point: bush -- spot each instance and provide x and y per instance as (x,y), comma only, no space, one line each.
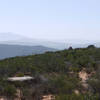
(64,84)
(10,90)
(77,97)
(20,75)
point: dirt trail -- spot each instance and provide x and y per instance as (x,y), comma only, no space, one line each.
(84,76)
(2,98)
(18,95)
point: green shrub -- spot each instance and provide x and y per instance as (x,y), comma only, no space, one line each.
(10,90)
(76,97)
(20,75)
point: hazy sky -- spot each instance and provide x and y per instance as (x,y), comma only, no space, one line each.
(51,19)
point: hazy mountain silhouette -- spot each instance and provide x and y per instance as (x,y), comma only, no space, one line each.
(10,38)
(15,39)
(7,51)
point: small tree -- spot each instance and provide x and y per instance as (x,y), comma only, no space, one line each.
(91,46)
(10,90)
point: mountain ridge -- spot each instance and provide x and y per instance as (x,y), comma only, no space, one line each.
(7,50)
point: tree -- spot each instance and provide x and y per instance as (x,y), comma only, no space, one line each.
(91,46)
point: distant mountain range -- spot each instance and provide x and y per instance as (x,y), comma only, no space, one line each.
(16,45)
(15,39)
(12,45)
(7,51)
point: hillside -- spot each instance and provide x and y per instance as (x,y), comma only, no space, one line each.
(72,74)
(7,51)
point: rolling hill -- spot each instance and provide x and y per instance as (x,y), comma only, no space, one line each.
(72,74)
(7,51)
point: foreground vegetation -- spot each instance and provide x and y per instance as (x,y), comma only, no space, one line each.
(56,73)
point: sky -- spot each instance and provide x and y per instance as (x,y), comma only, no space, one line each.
(51,19)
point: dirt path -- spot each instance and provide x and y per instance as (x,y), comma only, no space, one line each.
(84,76)
(2,98)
